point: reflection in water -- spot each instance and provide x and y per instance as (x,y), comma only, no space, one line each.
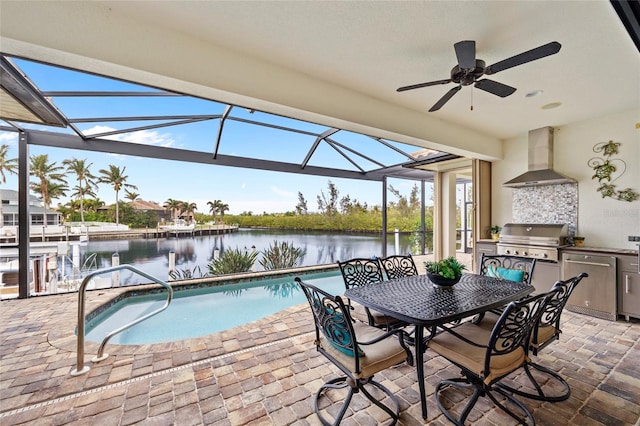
(283,290)
(152,255)
(236,292)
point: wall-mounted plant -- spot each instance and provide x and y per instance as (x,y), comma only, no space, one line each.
(610,169)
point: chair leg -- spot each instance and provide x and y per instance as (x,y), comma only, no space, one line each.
(338,383)
(521,420)
(540,394)
(393,413)
(459,382)
(481,390)
(356,387)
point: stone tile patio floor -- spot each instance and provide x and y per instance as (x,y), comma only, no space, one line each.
(267,372)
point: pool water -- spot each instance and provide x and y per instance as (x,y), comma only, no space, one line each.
(198,312)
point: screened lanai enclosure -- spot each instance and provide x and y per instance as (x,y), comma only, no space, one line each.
(52,107)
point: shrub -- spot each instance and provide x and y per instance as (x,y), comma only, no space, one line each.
(233,261)
(187,274)
(279,256)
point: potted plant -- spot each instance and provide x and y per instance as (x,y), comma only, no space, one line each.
(495,232)
(445,272)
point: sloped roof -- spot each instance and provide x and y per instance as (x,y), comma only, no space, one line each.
(146,205)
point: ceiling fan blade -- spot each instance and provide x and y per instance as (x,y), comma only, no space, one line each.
(466,54)
(443,100)
(418,86)
(528,56)
(495,88)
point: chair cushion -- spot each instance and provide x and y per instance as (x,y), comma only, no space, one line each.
(516,275)
(472,357)
(545,335)
(338,334)
(379,356)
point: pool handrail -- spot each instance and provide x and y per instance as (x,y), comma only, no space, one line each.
(80,367)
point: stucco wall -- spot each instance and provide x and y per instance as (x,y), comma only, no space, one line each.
(604,222)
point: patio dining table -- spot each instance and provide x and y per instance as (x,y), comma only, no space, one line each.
(417,301)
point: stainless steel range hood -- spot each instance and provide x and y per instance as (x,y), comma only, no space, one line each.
(540,170)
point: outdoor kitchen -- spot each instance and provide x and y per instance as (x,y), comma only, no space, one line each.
(556,214)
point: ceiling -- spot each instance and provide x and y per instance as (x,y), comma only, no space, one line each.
(340,63)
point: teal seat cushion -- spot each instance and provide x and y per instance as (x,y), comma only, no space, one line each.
(337,333)
(516,275)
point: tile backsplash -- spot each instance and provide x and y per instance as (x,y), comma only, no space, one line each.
(547,204)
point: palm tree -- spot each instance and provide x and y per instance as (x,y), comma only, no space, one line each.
(8,165)
(54,190)
(213,208)
(93,204)
(49,177)
(130,195)
(80,193)
(174,206)
(86,184)
(115,177)
(222,207)
(189,208)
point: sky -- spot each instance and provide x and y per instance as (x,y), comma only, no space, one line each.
(159,180)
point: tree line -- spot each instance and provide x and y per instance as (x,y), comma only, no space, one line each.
(334,213)
(50,183)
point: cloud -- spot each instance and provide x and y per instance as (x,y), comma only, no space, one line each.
(9,138)
(283,193)
(150,137)
(142,137)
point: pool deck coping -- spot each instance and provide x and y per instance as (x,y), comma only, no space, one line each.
(64,337)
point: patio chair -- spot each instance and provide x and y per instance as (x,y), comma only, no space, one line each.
(363,271)
(519,269)
(398,266)
(545,331)
(487,356)
(358,350)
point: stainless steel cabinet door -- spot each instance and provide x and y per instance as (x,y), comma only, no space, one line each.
(596,294)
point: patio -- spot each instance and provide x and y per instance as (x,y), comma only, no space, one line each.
(266,372)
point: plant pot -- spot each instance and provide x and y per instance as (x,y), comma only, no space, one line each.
(441,281)
(495,237)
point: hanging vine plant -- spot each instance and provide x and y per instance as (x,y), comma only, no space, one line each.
(609,170)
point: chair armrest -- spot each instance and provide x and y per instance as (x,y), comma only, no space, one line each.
(403,337)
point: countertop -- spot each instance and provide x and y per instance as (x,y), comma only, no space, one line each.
(606,250)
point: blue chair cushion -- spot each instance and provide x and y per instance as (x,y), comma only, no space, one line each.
(337,333)
(516,275)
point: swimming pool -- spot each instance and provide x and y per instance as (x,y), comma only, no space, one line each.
(198,312)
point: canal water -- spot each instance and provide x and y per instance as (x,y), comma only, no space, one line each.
(191,253)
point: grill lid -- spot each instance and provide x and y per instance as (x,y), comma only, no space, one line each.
(541,234)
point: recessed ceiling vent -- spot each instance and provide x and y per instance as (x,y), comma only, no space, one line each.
(540,170)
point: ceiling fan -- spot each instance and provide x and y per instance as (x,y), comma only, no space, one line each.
(470,69)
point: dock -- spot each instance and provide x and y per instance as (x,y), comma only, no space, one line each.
(158,232)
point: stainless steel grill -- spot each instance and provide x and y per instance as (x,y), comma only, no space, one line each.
(533,240)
